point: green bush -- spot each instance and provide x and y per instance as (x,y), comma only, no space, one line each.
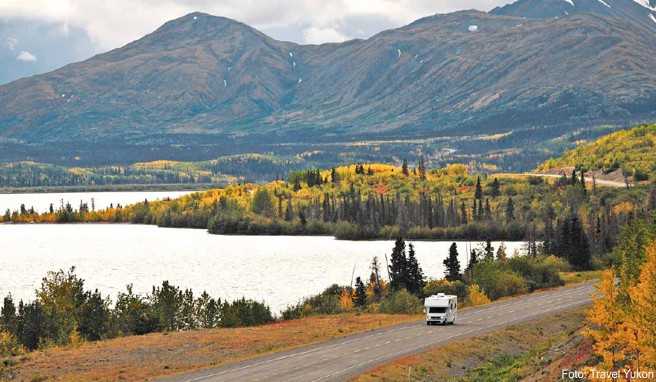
(457,288)
(539,272)
(496,281)
(401,302)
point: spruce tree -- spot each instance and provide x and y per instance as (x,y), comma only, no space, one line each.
(8,319)
(360,297)
(473,260)
(510,210)
(495,189)
(452,264)
(579,255)
(398,268)
(478,194)
(415,275)
(334,176)
(422,168)
(488,251)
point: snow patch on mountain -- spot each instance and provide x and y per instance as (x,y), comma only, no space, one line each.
(604,3)
(652,17)
(571,2)
(646,4)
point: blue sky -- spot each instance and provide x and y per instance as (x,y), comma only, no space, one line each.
(40,35)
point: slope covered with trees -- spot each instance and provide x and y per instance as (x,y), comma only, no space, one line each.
(632,151)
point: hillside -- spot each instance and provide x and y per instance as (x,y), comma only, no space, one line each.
(631,151)
(201,87)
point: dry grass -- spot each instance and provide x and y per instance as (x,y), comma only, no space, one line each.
(519,350)
(155,355)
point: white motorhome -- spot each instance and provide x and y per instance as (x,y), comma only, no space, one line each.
(441,309)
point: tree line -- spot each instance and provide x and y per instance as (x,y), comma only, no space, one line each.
(65,312)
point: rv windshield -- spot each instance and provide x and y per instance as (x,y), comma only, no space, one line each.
(437,310)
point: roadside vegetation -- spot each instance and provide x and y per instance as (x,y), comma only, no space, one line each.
(490,274)
(65,313)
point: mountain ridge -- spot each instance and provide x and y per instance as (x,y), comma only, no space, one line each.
(211,81)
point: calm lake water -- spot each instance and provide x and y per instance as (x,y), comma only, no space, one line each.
(277,270)
(41,201)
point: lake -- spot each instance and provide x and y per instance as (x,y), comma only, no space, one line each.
(274,269)
(41,201)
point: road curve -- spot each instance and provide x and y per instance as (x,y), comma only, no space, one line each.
(342,358)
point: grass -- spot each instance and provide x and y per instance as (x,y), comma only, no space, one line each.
(155,355)
(510,354)
(579,277)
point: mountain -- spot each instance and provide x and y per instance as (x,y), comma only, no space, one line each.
(202,86)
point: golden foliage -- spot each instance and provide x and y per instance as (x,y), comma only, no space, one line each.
(9,345)
(642,319)
(477,296)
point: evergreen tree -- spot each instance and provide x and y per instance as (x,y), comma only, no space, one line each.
(94,317)
(473,260)
(398,268)
(580,255)
(360,297)
(8,318)
(334,176)
(478,194)
(422,168)
(404,168)
(510,210)
(488,210)
(415,275)
(452,264)
(488,251)
(32,325)
(289,212)
(495,188)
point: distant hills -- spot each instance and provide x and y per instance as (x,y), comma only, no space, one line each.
(509,86)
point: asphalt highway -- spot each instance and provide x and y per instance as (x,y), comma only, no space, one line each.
(345,357)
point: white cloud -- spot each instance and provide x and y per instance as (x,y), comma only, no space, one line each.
(26,56)
(11,43)
(314,35)
(114,23)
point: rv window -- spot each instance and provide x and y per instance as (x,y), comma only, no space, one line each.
(436,310)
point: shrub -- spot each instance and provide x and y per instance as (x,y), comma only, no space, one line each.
(496,281)
(401,302)
(330,301)
(476,296)
(9,345)
(457,288)
(539,272)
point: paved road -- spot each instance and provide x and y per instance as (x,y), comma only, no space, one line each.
(342,358)
(600,182)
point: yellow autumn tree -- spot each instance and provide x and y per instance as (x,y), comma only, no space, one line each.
(476,296)
(607,325)
(346,300)
(642,319)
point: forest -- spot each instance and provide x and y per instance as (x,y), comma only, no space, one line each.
(632,151)
(376,201)
(223,170)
